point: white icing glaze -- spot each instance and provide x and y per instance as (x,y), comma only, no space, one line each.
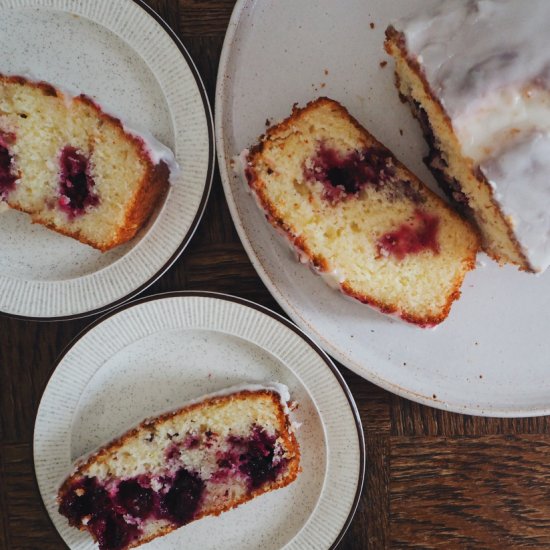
(156,150)
(525,164)
(278,388)
(488,62)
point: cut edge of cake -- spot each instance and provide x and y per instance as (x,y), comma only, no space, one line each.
(466,186)
(317,262)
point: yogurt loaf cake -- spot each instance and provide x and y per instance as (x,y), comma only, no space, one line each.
(74,168)
(201,460)
(476,74)
(365,223)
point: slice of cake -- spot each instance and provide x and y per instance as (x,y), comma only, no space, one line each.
(358,216)
(201,460)
(74,168)
(477,77)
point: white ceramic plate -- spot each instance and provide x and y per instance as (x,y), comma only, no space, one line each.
(123,55)
(158,353)
(490,357)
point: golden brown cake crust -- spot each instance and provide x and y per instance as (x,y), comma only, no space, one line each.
(151,189)
(276,219)
(286,433)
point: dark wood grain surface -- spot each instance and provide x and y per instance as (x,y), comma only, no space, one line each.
(434,479)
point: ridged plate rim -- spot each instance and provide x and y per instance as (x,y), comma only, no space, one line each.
(94,293)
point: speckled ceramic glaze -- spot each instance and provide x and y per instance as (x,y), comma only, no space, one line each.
(490,357)
(118,53)
(154,356)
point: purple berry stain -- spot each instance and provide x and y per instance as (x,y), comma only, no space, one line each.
(412,237)
(135,499)
(7,171)
(344,176)
(258,458)
(76,185)
(182,500)
(85,498)
(112,532)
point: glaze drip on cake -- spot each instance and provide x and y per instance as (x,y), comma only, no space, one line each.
(487,64)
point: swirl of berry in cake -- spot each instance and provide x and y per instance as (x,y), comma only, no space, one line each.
(366,224)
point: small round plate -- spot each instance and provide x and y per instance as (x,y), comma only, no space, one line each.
(126,58)
(490,357)
(157,353)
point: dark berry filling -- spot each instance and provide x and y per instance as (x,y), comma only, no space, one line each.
(182,500)
(76,185)
(135,499)
(114,513)
(7,170)
(112,532)
(172,453)
(88,499)
(191,441)
(438,165)
(449,185)
(85,498)
(344,176)
(258,458)
(412,237)
(106,512)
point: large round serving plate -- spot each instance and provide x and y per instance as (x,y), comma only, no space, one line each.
(490,357)
(127,59)
(154,355)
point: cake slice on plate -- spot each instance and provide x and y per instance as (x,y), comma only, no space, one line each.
(74,168)
(477,76)
(201,460)
(352,211)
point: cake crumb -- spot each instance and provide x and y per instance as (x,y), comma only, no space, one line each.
(323,84)
(481,375)
(267,122)
(372,25)
(434,396)
(400,131)
(326,72)
(383,64)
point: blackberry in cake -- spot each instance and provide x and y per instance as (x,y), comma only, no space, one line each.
(201,460)
(477,76)
(74,168)
(365,223)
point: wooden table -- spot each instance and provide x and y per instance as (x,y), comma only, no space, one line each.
(434,479)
